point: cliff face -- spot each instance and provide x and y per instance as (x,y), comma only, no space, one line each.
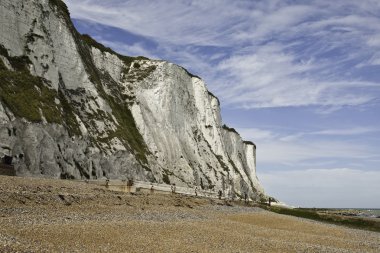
(71,108)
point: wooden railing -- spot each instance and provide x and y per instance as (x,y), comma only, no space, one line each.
(142,186)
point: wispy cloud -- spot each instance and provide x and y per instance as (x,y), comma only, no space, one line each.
(291,152)
(179,22)
(265,134)
(269,77)
(299,147)
(256,134)
(333,187)
(332,132)
(348,131)
(374,40)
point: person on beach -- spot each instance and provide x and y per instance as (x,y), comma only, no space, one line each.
(173,188)
(196,191)
(220,194)
(151,189)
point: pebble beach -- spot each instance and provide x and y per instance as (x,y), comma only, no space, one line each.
(45,215)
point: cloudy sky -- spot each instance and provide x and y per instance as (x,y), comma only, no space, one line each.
(301,79)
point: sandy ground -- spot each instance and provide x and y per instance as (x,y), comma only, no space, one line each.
(40,215)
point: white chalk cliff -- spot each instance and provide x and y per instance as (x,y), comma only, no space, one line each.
(71,108)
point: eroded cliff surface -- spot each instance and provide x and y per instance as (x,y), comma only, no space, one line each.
(72,108)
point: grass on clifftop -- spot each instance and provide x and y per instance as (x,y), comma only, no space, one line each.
(61,8)
(230,129)
(352,222)
(126,59)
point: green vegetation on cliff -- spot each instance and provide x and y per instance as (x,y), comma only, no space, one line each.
(61,8)
(230,129)
(27,96)
(126,131)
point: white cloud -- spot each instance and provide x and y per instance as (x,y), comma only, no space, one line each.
(374,60)
(178,22)
(269,77)
(279,20)
(292,152)
(275,148)
(374,40)
(348,131)
(332,132)
(346,23)
(340,187)
(255,134)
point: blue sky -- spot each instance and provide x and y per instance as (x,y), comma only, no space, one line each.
(301,79)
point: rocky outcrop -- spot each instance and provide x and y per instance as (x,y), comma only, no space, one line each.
(72,108)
